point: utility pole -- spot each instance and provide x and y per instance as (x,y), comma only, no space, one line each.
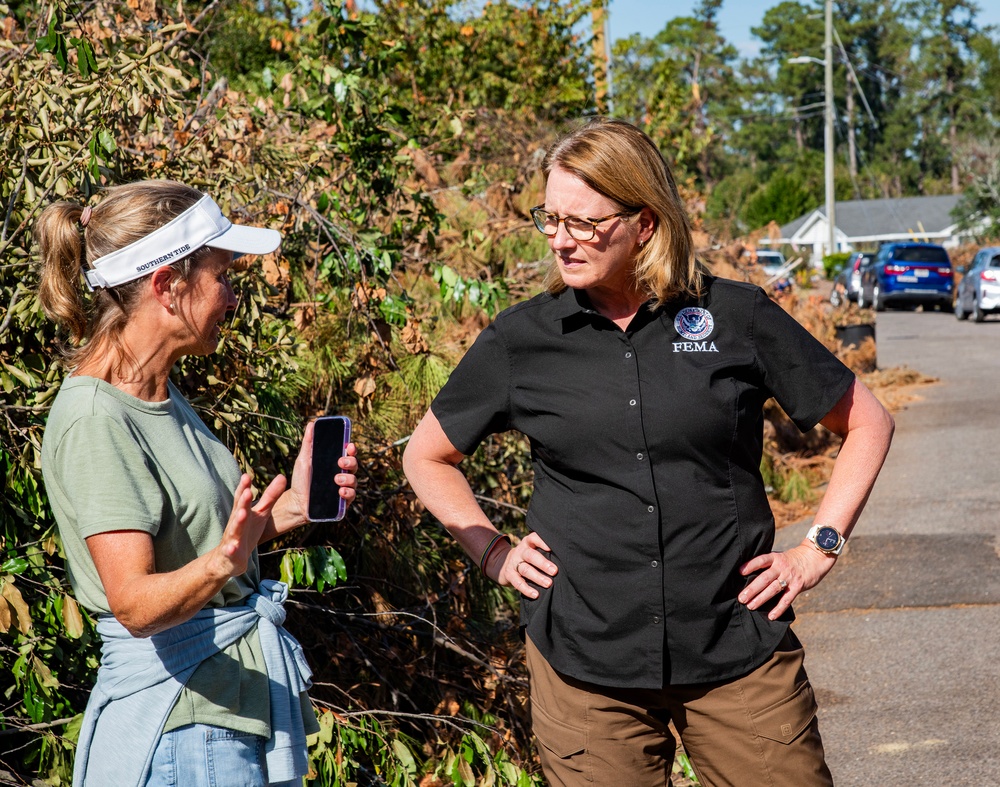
(598,16)
(831,197)
(852,146)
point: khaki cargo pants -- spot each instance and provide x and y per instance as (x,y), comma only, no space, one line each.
(758,730)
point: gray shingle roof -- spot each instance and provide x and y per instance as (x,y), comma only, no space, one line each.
(861,218)
(791,228)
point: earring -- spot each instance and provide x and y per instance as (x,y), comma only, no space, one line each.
(641,243)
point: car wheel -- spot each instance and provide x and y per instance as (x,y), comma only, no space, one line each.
(959,311)
(835,297)
(977,311)
(878,302)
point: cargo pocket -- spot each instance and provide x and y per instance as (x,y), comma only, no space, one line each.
(786,720)
(561,746)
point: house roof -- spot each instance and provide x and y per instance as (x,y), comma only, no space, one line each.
(881,217)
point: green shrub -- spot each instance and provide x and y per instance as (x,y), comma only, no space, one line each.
(832,263)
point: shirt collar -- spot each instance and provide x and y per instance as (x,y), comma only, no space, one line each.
(570,303)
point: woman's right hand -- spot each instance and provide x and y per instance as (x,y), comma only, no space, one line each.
(525,566)
(246,523)
(431,465)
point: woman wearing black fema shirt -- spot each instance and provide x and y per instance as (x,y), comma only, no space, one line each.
(649,589)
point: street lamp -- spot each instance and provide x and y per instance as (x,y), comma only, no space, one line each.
(827,63)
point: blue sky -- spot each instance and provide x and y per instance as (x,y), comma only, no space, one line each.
(736,18)
(648,17)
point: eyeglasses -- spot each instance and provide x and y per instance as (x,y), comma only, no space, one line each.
(577,227)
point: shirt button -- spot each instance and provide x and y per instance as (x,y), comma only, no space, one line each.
(654,564)
(656,618)
(632,402)
(628,355)
(639,457)
(651,509)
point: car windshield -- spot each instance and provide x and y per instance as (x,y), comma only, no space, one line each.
(921,254)
(770,259)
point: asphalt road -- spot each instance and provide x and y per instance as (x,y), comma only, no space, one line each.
(903,638)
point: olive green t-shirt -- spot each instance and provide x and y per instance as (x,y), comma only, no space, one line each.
(114,462)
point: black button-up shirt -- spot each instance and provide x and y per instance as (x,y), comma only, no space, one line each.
(646,446)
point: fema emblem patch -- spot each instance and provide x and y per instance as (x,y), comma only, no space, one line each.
(694,323)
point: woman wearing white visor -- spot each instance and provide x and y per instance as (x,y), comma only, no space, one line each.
(199,684)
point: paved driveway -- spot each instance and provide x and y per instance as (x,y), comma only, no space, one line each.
(903,638)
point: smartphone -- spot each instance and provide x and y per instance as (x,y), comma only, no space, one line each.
(331,435)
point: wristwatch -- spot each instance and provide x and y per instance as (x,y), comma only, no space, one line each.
(826,539)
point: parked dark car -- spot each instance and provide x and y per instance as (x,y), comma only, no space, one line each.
(978,293)
(907,274)
(847,282)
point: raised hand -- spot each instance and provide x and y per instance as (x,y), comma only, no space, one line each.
(247,523)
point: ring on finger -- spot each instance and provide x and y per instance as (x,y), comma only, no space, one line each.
(517,568)
(782,583)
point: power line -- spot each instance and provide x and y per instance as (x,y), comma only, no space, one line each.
(776,116)
(854,77)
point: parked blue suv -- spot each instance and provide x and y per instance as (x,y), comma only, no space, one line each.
(907,273)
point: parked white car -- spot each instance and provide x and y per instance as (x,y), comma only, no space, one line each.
(847,282)
(771,262)
(979,290)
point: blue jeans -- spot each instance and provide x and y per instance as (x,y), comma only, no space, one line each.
(200,755)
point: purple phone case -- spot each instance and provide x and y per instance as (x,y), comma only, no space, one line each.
(330,438)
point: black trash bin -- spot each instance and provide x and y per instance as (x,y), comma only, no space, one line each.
(854,335)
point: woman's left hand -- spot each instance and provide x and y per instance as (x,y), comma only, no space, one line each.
(783,575)
(292,510)
(302,475)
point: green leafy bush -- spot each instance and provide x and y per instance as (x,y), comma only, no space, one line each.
(832,263)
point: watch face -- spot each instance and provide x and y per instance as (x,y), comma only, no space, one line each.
(827,538)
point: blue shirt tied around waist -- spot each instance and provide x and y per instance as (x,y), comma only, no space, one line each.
(140,679)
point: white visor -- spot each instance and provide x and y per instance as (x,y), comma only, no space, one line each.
(200,225)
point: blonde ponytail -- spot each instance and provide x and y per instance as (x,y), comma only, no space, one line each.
(58,233)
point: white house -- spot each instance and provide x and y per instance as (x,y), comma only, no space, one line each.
(868,223)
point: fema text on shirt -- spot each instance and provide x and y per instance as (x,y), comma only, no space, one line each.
(695,347)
